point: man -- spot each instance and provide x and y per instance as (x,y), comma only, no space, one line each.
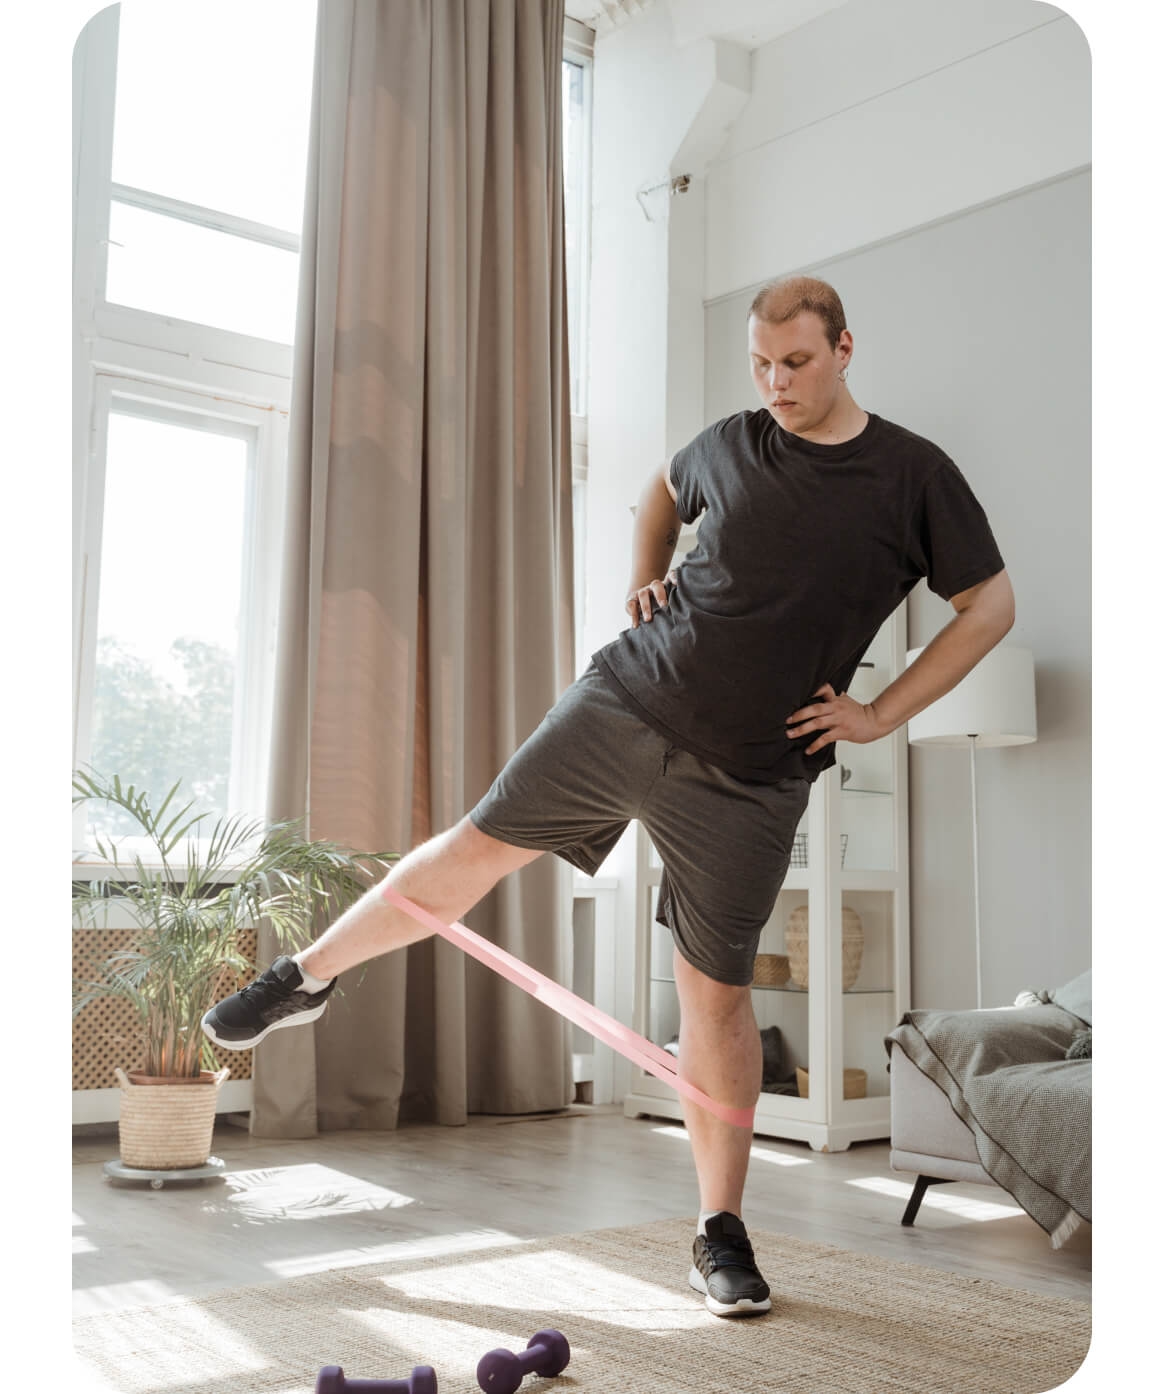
(709,718)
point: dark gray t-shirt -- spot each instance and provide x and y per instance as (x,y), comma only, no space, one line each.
(803,551)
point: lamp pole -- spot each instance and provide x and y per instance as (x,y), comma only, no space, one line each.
(974,841)
(996,698)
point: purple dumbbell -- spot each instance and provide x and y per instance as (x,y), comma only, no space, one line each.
(501,1371)
(332,1380)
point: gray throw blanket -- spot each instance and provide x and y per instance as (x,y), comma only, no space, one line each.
(1029,1108)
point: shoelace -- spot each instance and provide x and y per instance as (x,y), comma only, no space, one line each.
(729,1252)
(263,987)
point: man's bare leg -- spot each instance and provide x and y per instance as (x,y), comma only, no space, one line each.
(720,1051)
(447,875)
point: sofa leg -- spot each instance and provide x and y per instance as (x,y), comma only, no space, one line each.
(920,1186)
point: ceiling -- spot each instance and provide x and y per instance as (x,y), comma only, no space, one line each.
(749,23)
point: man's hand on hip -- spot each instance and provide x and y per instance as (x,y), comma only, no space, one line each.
(641,602)
(833,718)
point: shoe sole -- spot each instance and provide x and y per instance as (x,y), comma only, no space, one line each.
(745,1307)
(299,1019)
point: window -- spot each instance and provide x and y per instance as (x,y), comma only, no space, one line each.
(192,272)
(187,232)
(190,128)
(213,103)
(171,595)
(178,673)
(206,196)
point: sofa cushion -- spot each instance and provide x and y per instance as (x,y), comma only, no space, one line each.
(1075,997)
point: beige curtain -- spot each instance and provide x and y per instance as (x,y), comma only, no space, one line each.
(427,616)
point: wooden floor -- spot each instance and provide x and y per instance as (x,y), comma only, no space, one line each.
(286,1208)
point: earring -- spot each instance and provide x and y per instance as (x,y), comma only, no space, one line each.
(843,375)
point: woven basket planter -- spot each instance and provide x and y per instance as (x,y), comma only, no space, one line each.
(167,1124)
(852,946)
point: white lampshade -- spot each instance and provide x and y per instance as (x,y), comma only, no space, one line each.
(995,701)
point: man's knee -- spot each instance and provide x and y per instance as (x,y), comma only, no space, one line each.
(700,993)
(482,847)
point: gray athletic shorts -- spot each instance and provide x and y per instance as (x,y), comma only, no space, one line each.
(725,843)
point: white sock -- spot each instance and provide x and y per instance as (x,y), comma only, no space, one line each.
(309,984)
(704,1216)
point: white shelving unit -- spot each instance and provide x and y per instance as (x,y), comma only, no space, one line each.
(826,1028)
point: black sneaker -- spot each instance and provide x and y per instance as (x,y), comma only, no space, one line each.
(725,1269)
(244,1018)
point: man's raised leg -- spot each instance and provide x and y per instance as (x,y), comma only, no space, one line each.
(447,875)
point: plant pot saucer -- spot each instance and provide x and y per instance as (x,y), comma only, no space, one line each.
(116,1170)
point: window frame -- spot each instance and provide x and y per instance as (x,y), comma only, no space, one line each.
(578,47)
(164,368)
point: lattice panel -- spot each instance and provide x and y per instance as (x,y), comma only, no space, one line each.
(106,1032)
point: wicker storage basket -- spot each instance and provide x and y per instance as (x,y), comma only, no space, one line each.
(167,1124)
(855,1082)
(852,946)
(771,970)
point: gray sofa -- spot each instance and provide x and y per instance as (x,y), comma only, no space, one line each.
(926,1136)
(999,1097)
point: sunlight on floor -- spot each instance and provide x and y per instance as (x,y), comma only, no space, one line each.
(760,1154)
(552,1281)
(938,1199)
(81,1245)
(427,1246)
(212,1353)
(116,1297)
(306,1192)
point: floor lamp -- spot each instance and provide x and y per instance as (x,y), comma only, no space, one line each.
(994,704)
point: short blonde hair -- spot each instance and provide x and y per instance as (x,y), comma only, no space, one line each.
(784,299)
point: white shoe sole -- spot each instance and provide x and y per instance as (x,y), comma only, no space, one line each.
(744,1308)
(299,1019)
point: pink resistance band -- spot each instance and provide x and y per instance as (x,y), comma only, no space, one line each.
(640,1051)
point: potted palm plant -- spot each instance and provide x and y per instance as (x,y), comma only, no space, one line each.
(190,893)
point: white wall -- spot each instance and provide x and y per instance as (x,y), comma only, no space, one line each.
(872,120)
(884,115)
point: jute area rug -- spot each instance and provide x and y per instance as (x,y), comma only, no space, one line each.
(841,1323)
